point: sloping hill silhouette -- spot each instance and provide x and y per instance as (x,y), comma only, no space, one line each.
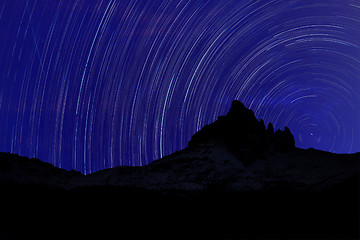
(236,179)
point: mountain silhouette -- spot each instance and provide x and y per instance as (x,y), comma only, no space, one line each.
(236,179)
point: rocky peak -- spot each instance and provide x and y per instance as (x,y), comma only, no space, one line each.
(241,132)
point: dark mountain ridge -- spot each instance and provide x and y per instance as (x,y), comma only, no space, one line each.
(236,150)
(236,179)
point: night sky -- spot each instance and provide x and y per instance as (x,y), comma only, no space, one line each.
(89,85)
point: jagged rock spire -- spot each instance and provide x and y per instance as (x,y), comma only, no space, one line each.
(242,132)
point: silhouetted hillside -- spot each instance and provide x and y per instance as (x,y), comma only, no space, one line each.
(236,179)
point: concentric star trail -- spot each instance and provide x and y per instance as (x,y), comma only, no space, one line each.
(89,85)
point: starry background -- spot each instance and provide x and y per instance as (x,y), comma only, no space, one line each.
(89,85)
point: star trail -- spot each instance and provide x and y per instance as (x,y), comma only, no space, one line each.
(93,84)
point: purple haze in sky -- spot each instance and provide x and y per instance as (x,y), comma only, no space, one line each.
(89,85)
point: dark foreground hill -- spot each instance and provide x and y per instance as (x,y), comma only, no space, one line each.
(236,179)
